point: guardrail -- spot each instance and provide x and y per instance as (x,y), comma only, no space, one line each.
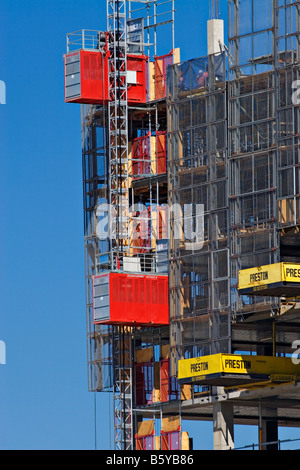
(265,445)
(83,39)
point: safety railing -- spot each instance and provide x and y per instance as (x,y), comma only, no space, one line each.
(87,39)
(271,445)
(141,263)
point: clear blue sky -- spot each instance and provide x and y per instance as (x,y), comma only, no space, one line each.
(44,401)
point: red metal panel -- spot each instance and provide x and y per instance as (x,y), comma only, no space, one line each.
(145,443)
(137,93)
(170,440)
(95,82)
(93,78)
(145,230)
(139,300)
(140,150)
(161,152)
(161,64)
(162,222)
(164,380)
(148,224)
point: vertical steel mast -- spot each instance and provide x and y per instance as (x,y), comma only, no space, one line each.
(214,9)
(118,128)
(119,212)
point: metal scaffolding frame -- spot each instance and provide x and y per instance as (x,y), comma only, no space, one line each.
(119,204)
(262,136)
(233,146)
(197,142)
(249,185)
(107,180)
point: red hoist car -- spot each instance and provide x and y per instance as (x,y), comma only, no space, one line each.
(131,299)
(87,79)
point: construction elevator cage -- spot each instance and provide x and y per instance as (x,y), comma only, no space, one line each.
(97,250)
(197,176)
(110,124)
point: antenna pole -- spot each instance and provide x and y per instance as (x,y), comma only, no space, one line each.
(214,9)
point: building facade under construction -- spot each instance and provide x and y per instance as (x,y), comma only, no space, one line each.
(191,190)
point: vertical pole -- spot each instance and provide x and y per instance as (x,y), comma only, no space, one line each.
(95,418)
(173,25)
(155,18)
(118,198)
(148,29)
(260,428)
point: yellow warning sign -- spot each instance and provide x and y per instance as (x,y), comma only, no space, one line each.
(264,276)
(291,272)
(236,364)
(259,276)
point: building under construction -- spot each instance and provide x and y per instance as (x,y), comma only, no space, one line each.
(191,183)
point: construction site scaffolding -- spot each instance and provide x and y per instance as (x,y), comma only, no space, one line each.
(107,168)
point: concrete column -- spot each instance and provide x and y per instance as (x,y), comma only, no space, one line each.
(269,429)
(215,36)
(268,426)
(223,426)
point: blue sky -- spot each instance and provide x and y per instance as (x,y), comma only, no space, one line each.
(44,400)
